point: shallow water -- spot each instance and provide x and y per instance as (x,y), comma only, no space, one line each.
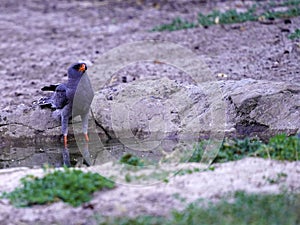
(81,153)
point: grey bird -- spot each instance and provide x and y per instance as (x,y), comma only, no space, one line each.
(72,98)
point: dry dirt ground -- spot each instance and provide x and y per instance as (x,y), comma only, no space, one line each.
(40,39)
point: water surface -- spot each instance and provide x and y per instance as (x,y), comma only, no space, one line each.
(81,153)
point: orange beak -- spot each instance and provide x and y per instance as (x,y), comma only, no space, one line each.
(82,68)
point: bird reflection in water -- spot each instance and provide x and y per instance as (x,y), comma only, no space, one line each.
(84,150)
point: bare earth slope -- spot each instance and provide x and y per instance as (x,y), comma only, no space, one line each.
(39,40)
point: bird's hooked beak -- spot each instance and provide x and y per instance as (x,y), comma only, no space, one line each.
(82,67)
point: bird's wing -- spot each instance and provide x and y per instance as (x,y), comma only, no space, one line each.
(57,100)
(60,98)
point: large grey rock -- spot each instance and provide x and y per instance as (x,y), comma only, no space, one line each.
(154,109)
(263,107)
(25,123)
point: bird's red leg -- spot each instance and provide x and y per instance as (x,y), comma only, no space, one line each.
(86,137)
(65,140)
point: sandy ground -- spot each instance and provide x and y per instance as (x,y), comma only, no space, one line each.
(40,39)
(155,197)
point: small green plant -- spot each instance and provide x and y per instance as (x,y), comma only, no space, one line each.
(187,171)
(176,24)
(292,12)
(281,147)
(237,149)
(132,160)
(295,35)
(166,180)
(285,3)
(279,177)
(230,150)
(128,178)
(155,175)
(69,185)
(228,17)
(198,152)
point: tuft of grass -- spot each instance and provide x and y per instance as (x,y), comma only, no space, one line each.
(176,24)
(285,3)
(69,185)
(279,147)
(228,17)
(292,12)
(275,180)
(198,152)
(237,149)
(132,160)
(243,209)
(295,35)
(155,175)
(230,150)
(187,171)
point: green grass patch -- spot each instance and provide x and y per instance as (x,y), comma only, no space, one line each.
(155,175)
(243,209)
(187,171)
(69,185)
(176,24)
(279,147)
(228,17)
(277,179)
(285,3)
(293,12)
(132,160)
(295,35)
(232,16)
(236,149)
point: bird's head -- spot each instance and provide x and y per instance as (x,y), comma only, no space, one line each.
(76,70)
